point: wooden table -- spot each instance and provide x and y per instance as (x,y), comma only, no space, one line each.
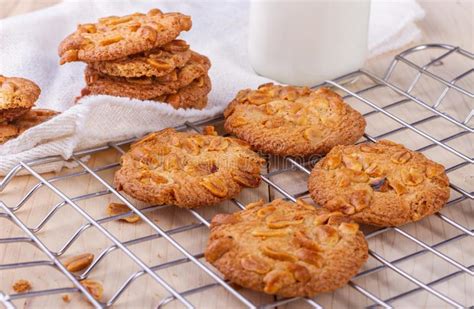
(449,22)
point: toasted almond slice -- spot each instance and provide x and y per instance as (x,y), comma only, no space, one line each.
(111,40)
(159,64)
(278,255)
(114,209)
(79,262)
(269,233)
(348,228)
(255,204)
(401,157)
(215,185)
(255,264)
(94,287)
(276,279)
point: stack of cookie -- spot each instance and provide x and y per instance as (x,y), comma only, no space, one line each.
(17,97)
(138,56)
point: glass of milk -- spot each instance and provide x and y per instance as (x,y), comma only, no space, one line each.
(305,42)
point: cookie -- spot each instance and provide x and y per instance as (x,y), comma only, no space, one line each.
(187,169)
(192,96)
(382,184)
(146,88)
(17,96)
(116,37)
(157,62)
(286,249)
(293,121)
(28,120)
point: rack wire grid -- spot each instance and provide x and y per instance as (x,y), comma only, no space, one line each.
(413,107)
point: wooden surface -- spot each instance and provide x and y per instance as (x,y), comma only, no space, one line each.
(446,21)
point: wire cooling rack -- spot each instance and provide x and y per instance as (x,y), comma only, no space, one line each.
(414,107)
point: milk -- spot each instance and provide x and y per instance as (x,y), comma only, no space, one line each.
(304,42)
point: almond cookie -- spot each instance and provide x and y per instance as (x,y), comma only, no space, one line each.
(293,121)
(192,96)
(28,120)
(116,37)
(156,62)
(17,96)
(146,88)
(381,183)
(286,249)
(187,169)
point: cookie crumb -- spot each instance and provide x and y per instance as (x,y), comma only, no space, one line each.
(114,209)
(94,287)
(209,130)
(66,298)
(21,286)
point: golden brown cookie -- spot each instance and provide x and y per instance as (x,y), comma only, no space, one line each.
(156,62)
(187,169)
(28,120)
(293,121)
(17,96)
(192,96)
(146,88)
(286,249)
(381,183)
(116,37)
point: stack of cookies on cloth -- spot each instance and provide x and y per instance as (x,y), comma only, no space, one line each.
(138,56)
(17,97)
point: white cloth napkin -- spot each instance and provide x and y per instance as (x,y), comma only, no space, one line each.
(29,49)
